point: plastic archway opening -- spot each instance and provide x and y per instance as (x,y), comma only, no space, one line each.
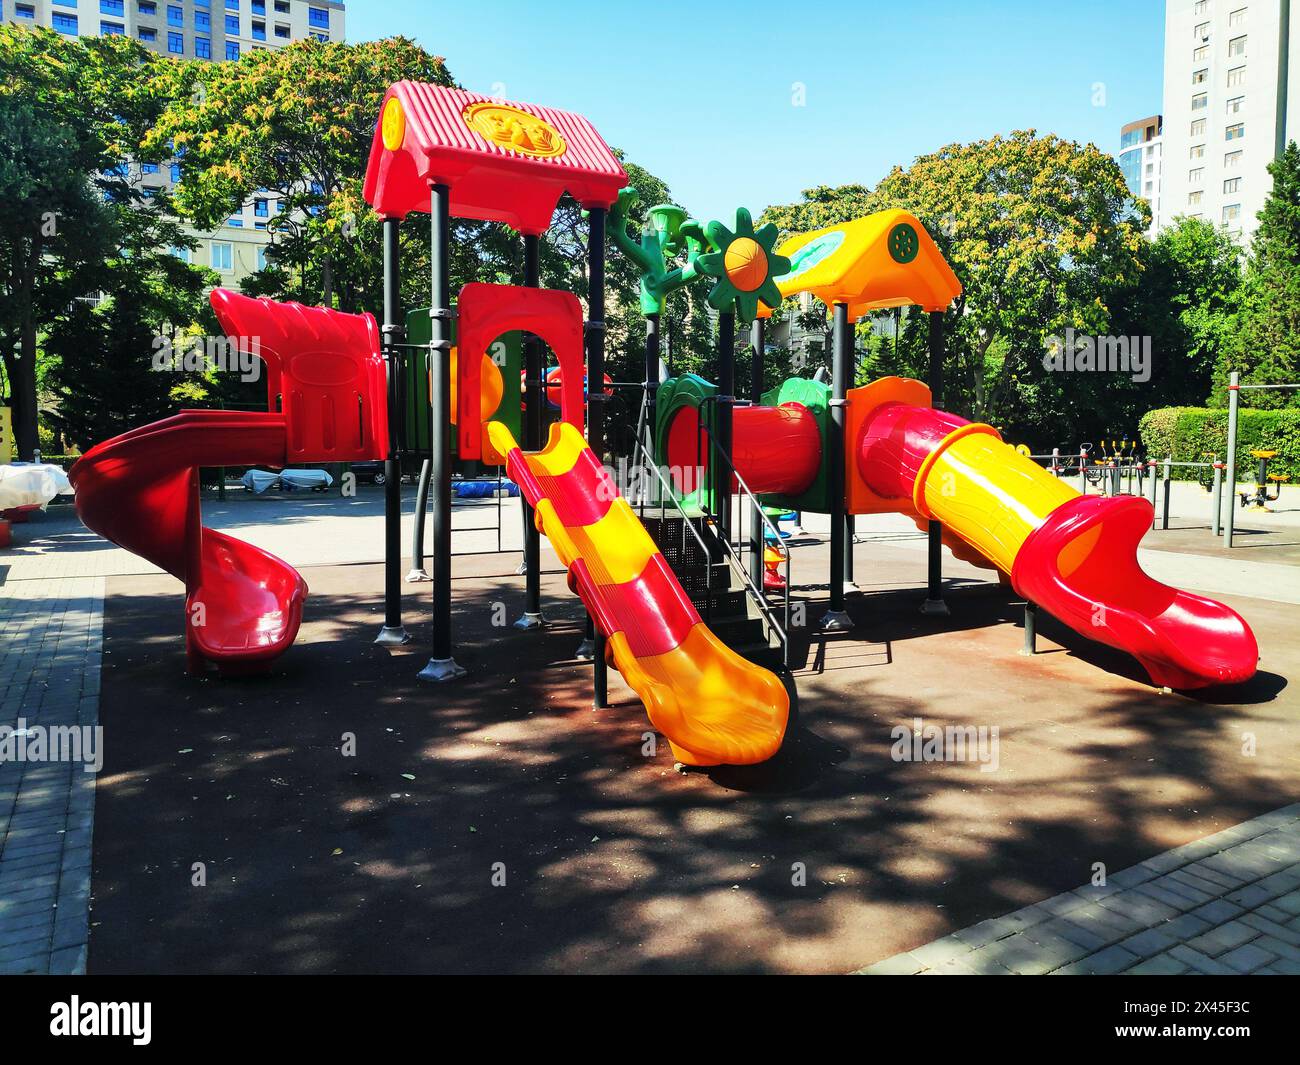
(554,385)
(491,387)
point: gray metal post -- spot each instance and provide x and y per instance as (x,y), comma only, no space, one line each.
(595,337)
(836,619)
(393,634)
(756,349)
(1167,485)
(934,604)
(1234,395)
(1217,496)
(1083,476)
(441,666)
(533,368)
(1030,646)
(1152,467)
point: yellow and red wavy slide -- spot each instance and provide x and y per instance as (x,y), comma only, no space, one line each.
(715,707)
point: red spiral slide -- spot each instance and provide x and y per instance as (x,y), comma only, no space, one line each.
(325,388)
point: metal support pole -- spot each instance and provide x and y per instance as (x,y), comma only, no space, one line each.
(757,347)
(836,619)
(1031,630)
(441,666)
(1166,486)
(418,573)
(934,604)
(532,618)
(1217,496)
(393,634)
(720,482)
(1234,396)
(1083,473)
(595,337)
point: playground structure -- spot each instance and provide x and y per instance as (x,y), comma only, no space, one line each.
(340,388)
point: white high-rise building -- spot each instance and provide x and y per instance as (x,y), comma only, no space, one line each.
(1140,160)
(1232,101)
(196,29)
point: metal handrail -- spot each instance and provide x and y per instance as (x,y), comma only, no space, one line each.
(755,592)
(666,490)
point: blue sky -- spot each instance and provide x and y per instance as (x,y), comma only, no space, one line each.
(702,94)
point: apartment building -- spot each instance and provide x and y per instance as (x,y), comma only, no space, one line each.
(1140,159)
(1230,106)
(213,30)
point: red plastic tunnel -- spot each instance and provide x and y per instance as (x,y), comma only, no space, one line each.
(777,450)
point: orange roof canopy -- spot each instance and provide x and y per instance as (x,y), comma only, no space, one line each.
(503,161)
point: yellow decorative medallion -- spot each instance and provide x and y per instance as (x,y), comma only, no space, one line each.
(393,125)
(515,130)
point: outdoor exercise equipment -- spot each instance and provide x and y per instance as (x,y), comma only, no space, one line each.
(1258,498)
(326,403)
(1235,388)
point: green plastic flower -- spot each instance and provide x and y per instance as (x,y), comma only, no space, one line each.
(743,267)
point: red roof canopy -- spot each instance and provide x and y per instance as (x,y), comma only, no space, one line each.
(503,161)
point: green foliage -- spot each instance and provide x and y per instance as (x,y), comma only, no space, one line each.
(1190,434)
(1268,348)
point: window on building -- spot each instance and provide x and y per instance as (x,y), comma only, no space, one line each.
(203,21)
(282,31)
(1151,169)
(203,47)
(223,256)
(1237,46)
(281,7)
(1235,104)
(1200,102)
(183,254)
(318,17)
(232,5)
(25,11)
(176,171)
(176,43)
(1196,175)
(235,222)
(64,23)
(1201,30)
(205,4)
(259,7)
(324,38)
(261,258)
(1236,76)
(1200,7)
(112,7)
(232,50)
(1199,77)
(232,24)
(1237,18)
(259,31)
(1231,213)
(261,208)
(147,7)
(1197,151)
(1235,132)
(1148,187)
(175,15)
(148,35)
(1198,127)
(1194,198)
(1233,184)
(1199,55)
(1232,160)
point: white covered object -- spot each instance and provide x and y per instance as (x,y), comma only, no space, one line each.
(23,484)
(260,480)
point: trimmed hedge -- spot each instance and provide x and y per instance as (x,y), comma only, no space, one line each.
(1188,433)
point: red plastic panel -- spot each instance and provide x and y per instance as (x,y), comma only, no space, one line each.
(895,441)
(1081,566)
(486,180)
(484,312)
(326,367)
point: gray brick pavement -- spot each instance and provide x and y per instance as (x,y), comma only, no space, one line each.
(1227,904)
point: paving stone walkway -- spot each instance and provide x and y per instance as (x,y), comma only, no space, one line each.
(1228,904)
(50,641)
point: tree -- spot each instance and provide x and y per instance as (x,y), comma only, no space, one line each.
(1042,234)
(1268,351)
(71,110)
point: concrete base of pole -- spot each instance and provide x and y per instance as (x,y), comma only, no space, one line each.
(586,650)
(417,576)
(835,621)
(935,608)
(440,670)
(530,621)
(393,636)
